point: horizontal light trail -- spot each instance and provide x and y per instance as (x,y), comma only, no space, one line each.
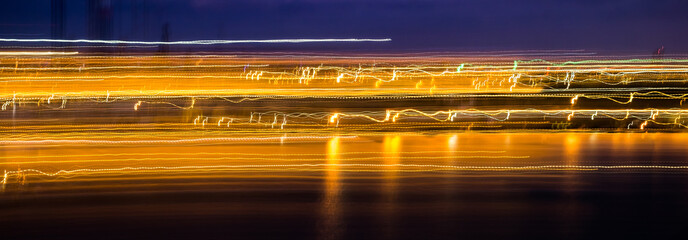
(176,141)
(36,53)
(199,42)
(361,165)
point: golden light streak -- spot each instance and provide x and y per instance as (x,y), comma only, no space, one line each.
(253,110)
(354,168)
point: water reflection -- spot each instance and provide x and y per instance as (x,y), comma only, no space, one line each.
(392,197)
(572,145)
(453,142)
(391,152)
(330,216)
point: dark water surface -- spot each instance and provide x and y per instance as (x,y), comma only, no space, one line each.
(392,200)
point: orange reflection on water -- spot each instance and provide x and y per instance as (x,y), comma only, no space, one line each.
(331,207)
(392,145)
(572,145)
(391,152)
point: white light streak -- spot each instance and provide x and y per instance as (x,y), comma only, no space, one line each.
(198,42)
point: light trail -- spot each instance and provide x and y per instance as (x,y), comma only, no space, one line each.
(198,42)
(366,167)
(172,115)
(37,53)
(174,141)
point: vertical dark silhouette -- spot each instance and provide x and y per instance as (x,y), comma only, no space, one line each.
(659,52)
(136,19)
(99,19)
(164,48)
(57,20)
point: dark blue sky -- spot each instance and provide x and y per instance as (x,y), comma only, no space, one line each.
(626,25)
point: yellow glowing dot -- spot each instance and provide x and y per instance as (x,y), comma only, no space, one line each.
(334,117)
(573,100)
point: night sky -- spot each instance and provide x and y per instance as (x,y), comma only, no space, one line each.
(413,25)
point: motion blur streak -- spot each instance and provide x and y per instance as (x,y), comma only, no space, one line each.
(60,102)
(36,53)
(195,42)
(399,128)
